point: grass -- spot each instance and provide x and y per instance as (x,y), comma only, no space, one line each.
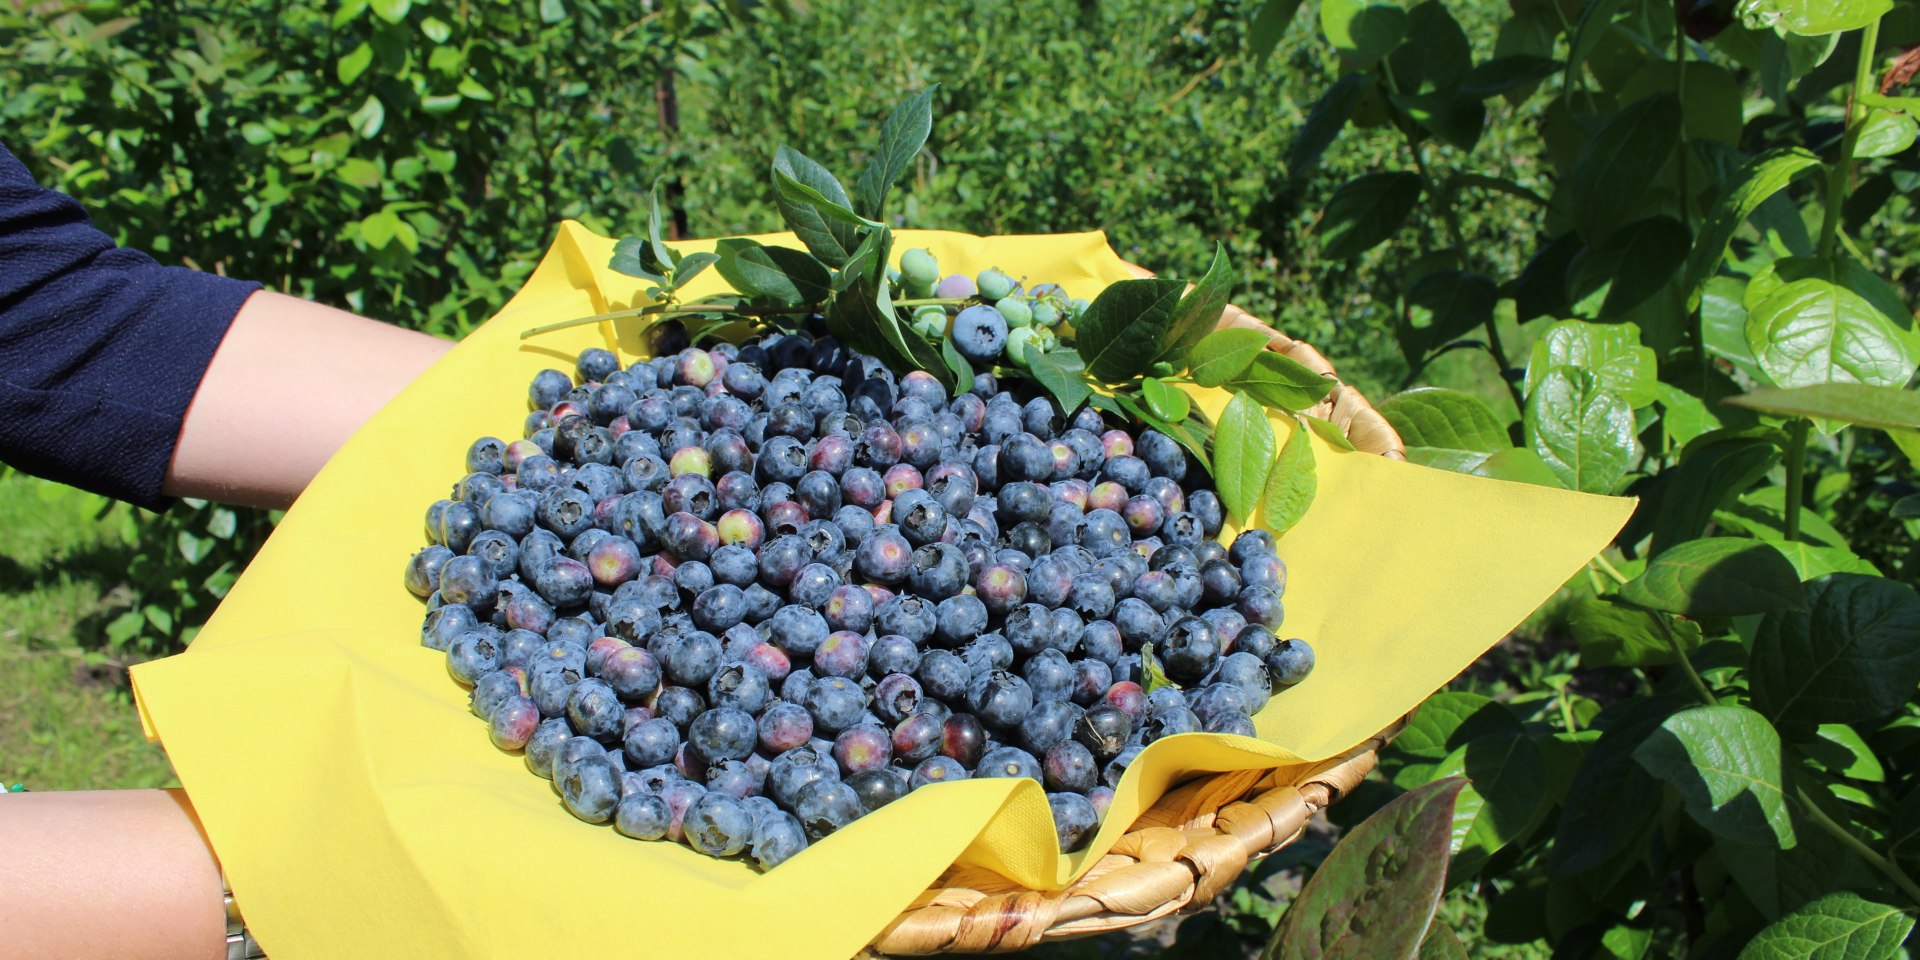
(67,719)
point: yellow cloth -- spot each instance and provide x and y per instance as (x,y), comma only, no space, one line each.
(360,811)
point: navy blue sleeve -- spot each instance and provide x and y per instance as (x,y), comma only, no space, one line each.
(101,348)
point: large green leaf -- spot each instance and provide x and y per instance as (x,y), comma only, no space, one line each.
(1815,331)
(1362,30)
(780,274)
(1850,655)
(1445,419)
(1717,577)
(1839,926)
(1610,351)
(1292,484)
(1621,160)
(1633,263)
(1611,802)
(1366,211)
(1541,288)
(1269,25)
(1887,408)
(1224,355)
(1710,474)
(1440,56)
(1725,763)
(1507,73)
(1613,634)
(1441,944)
(830,240)
(1328,117)
(901,137)
(1243,449)
(1061,372)
(1503,799)
(1199,309)
(1811,18)
(1583,431)
(1376,893)
(1455,302)
(1447,721)
(1122,330)
(1281,382)
(1751,185)
(1884,133)
(1812,560)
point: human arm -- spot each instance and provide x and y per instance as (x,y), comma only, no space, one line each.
(110,873)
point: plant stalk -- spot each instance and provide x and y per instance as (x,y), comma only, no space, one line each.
(1796,474)
(1843,164)
(1600,560)
(1873,858)
(1699,685)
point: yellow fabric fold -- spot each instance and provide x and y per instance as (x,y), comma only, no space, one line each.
(360,810)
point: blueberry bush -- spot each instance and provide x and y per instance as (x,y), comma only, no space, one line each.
(1716,323)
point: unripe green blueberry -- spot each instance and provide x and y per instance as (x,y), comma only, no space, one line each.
(1045,314)
(1048,339)
(930,321)
(1022,342)
(1076,307)
(919,268)
(1016,310)
(993,284)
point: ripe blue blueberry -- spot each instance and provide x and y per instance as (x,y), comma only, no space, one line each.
(979,332)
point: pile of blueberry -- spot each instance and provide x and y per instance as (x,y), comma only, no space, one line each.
(737,597)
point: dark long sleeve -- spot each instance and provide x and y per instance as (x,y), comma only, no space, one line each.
(101,348)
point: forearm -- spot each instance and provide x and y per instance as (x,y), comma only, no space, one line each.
(114,873)
(291,381)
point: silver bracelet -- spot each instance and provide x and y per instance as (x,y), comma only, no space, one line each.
(240,943)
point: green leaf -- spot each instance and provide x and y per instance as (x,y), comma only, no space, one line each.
(835,210)
(1710,475)
(1269,25)
(1725,763)
(1292,484)
(1366,211)
(1502,801)
(868,261)
(1152,673)
(368,120)
(1502,74)
(1329,116)
(692,265)
(1456,301)
(1199,309)
(1611,634)
(901,137)
(350,67)
(663,258)
(1243,450)
(1634,263)
(1456,119)
(1441,944)
(1541,288)
(1812,561)
(1223,355)
(1717,577)
(1623,158)
(1362,30)
(392,11)
(1123,328)
(1326,431)
(552,11)
(1062,372)
(1446,419)
(1886,408)
(1884,133)
(1751,185)
(1375,894)
(1282,383)
(1848,656)
(829,241)
(1814,331)
(1842,271)
(1167,402)
(1611,802)
(1447,721)
(1519,465)
(359,172)
(1583,431)
(956,362)
(780,274)
(1439,58)
(1810,18)
(1839,926)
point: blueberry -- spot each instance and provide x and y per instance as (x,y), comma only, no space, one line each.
(513,722)
(842,654)
(718,825)
(781,560)
(1009,762)
(836,703)
(473,655)
(1290,662)
(693,661)
(849,608)
(825,806)
(798,630)
(1075,820)
(861,748)
(595,364)
(589,785)
(1000,698)
(1050,676)
(680,796)
(784,726)
(594,710)
(813,584)
(1259,605)
(741,686)
(1050,722)
(963,738)
(878,787)
(642,816)
(776,839)
(979,332)
(1168,721)
(1263,570)
(884,557)
(722,733)
(907,616)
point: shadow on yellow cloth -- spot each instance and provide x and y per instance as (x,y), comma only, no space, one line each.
(360,811)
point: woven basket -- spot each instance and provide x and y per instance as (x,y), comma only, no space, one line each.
(1184,850)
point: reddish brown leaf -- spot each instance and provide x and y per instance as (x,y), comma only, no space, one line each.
(1901,73)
